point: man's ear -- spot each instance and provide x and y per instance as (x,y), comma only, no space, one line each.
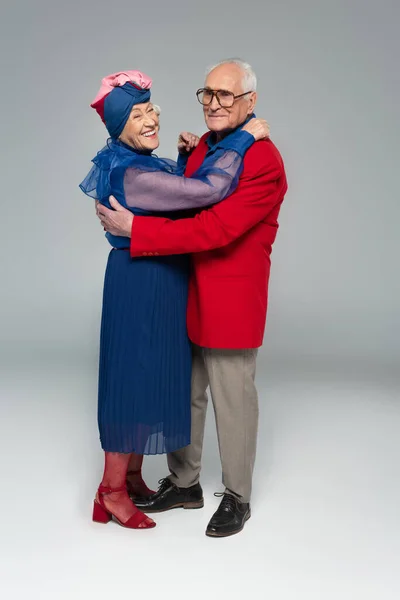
(252,102)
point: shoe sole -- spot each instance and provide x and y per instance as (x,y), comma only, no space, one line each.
(221,535)
(185,505)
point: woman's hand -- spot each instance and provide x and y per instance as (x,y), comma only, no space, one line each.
(187,142)
(258,128)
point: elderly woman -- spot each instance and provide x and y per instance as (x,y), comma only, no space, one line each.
(145,354)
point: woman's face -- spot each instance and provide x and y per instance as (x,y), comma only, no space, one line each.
(141,129)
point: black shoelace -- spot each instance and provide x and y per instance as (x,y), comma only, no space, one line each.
(228,502)
(165,483)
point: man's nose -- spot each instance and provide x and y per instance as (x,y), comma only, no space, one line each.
(214,104)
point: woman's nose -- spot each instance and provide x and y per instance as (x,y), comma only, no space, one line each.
(151,120)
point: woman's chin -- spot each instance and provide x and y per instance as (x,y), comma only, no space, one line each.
(152,142)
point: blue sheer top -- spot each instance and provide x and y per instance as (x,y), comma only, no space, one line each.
(146,184)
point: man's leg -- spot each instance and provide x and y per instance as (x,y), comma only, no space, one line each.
(185,464)
(231,374)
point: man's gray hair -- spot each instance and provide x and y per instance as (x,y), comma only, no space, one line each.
(249,76)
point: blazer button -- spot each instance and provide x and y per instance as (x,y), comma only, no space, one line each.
(144,254)
(156,254)
(150,254)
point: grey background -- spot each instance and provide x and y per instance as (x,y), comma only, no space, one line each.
(326,499)
(329,86)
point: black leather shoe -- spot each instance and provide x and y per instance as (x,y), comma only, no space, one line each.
(171,496)
(229,518)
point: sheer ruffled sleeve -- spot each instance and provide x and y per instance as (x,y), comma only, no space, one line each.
(216,179)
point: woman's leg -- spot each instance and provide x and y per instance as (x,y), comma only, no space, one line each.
(136,485)
(118,503)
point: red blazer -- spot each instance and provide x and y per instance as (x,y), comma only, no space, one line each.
(231,245)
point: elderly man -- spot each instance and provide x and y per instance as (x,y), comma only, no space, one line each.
(231,245)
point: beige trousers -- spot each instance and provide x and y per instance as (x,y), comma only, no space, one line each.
(230,375)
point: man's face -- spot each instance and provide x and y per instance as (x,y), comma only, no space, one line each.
(228,77)
(141,129)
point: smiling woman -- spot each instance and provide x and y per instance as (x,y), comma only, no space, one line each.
(141,129)
(145,354)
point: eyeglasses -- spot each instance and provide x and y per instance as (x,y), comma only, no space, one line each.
(224,98)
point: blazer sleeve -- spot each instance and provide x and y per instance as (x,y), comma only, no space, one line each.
(261,188)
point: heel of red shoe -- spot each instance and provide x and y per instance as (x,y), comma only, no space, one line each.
(99,514)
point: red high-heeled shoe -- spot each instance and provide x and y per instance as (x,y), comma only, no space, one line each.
(101,514)
(138,488)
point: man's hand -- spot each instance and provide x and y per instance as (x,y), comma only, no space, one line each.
(118,221)
(187,142)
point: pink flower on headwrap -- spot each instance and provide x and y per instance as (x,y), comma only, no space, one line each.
(116,80)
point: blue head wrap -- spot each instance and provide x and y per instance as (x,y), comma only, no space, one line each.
(118,105)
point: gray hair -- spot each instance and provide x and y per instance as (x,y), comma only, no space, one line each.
(157,109)
(249,76)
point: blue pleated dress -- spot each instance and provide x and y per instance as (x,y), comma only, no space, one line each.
(145,355)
